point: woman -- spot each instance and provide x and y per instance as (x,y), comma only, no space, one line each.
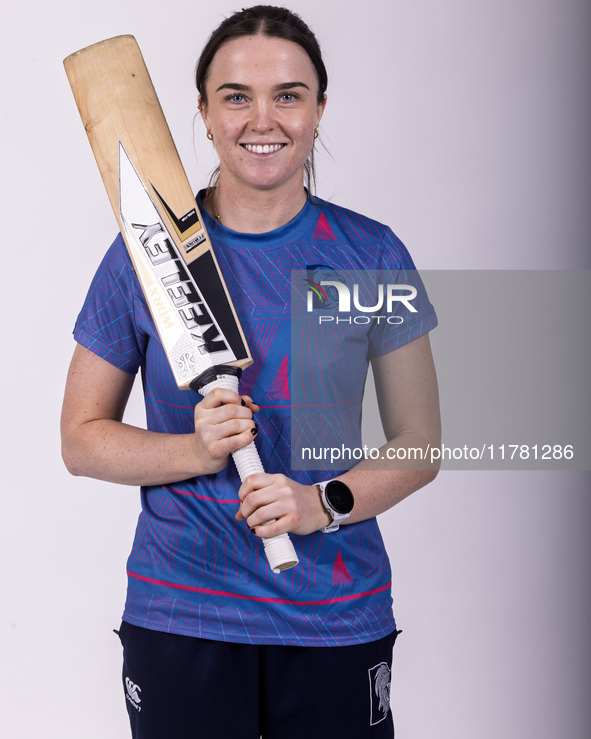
(215,644)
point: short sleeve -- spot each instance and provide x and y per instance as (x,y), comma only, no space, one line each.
(398,324)
(107,323)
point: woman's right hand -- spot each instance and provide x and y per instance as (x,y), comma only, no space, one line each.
(223,423)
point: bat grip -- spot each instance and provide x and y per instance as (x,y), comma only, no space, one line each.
(279,549)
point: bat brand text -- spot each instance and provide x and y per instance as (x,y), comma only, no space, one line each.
(180,288)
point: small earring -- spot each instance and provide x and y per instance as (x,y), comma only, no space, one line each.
(315,133)
(209,135)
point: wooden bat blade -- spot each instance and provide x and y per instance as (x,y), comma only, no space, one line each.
(117,102)
(155,208)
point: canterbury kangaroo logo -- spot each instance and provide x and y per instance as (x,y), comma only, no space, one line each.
(133,692)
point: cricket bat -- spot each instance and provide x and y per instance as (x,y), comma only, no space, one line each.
(167,242)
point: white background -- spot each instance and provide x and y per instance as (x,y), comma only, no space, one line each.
(463,125)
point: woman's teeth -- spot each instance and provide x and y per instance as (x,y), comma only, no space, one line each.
(263,148)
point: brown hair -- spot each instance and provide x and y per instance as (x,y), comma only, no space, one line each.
(268,20)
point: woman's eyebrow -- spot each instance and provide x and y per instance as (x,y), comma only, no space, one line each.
(288,85)
(233,86)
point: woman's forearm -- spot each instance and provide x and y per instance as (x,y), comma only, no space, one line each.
(379,484)
(96,443)
(110,450)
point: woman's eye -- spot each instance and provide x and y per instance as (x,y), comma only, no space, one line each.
(235,98)
(288,97)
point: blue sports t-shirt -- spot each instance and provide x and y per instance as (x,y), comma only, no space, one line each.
(193,569)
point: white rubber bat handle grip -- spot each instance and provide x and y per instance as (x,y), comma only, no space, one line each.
(279,549)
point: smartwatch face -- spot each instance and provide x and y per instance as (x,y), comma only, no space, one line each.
(339,496)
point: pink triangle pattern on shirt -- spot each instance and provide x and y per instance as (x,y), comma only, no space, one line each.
(323,231)
(340,573)
(279,389)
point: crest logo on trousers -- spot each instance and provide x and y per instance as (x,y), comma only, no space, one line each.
(379,693)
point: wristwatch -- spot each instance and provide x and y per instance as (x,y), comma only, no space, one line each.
(338,500)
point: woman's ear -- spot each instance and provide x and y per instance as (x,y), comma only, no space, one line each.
(203,111)
(321,107)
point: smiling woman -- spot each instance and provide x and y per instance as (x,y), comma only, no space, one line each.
(214,643)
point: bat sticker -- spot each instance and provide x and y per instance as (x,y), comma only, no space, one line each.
(186,325)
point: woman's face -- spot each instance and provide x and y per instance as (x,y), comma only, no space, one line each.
(262,109)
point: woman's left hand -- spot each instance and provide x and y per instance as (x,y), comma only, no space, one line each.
(296,508)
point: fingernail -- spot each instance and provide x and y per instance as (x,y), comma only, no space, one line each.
(254,431)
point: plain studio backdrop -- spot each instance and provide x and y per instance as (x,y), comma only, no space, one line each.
(463,125)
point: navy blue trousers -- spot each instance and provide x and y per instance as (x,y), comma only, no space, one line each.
(181,687)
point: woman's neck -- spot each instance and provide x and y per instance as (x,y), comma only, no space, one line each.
(257,211)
